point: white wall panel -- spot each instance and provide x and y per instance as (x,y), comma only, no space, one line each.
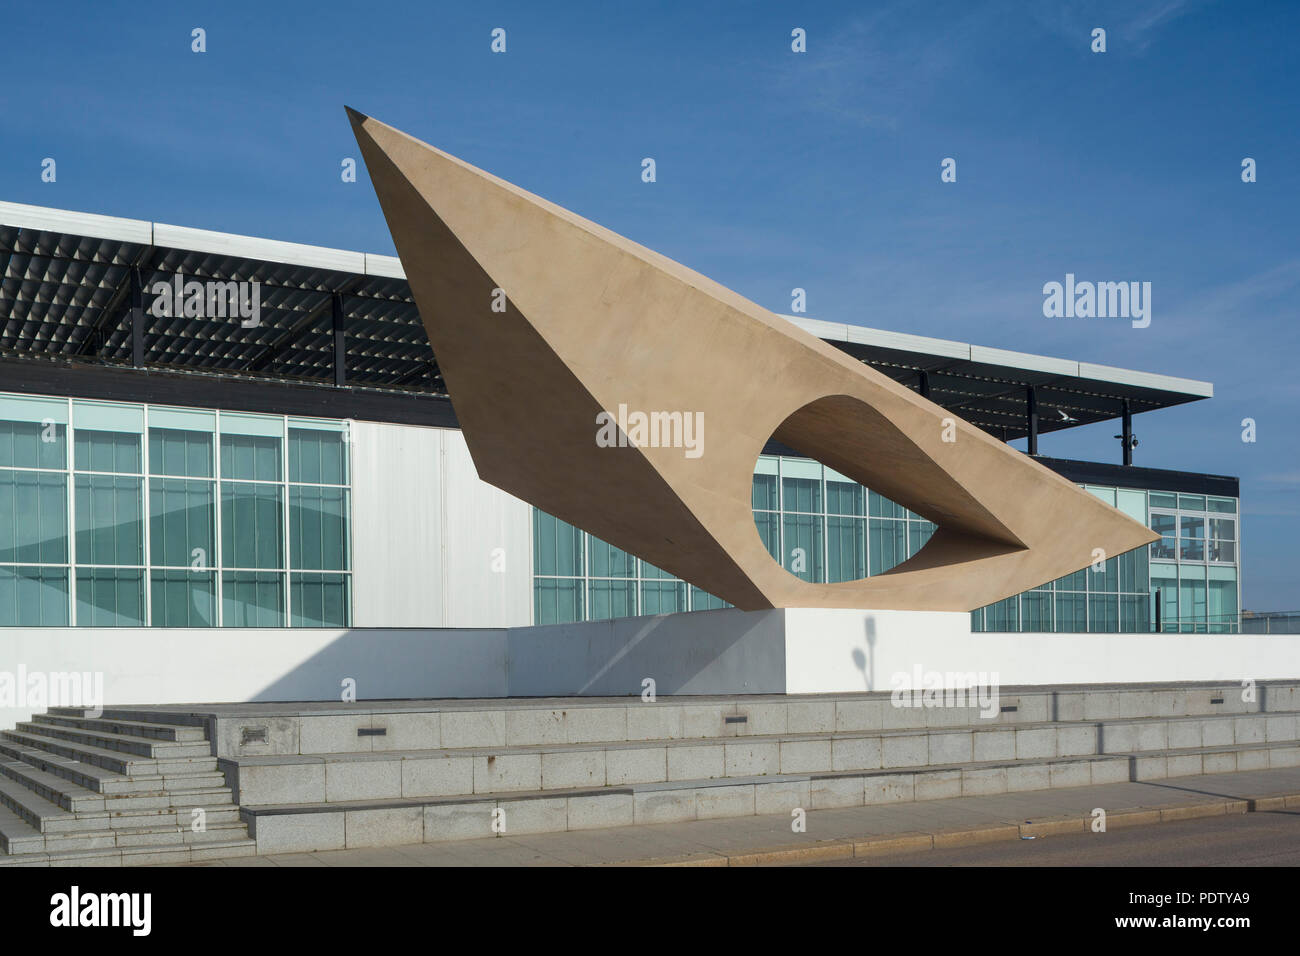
(424,530)
(487,565)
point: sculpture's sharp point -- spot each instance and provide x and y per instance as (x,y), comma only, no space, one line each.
(356,118)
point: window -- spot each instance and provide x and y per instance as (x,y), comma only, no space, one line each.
(117,515)
(1165,525)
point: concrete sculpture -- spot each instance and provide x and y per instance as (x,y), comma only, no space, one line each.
(569,352)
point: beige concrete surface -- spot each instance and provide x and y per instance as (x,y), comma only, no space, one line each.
(542,321)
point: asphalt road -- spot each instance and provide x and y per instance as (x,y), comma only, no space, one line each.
(1250,839)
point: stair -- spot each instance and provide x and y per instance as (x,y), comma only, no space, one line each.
(544,766)
(81,791)
(119,789)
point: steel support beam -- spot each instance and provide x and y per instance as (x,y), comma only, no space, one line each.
(340,340)
(925,384)
(137,318)
(1126,437)
(1031,419)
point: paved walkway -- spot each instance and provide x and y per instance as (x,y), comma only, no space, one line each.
(842,834)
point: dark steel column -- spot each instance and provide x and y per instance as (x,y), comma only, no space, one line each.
(1127,434)
(137,320)
(340,342)
(925,384)
(1031,425)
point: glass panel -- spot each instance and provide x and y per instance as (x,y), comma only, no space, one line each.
(1166,526)
(320,600)
(1223,539)
(607,561)
(846,541)
(557,600)
(888,541)
(1191,502)
(33,444)
(1105,494)
(1164,594)
(1132,503)
(803,546)
(919,532)
(110,597)
(1078,581)
(765,493)
(1071,611)
(1003,615)
(1103,613)
(977,620)
(33,597)
(318,528)
(1036,611)
(252,524)
(1133,571)
(769,529)
(182,524)
(107,451)
(1161,499)
(1107,579)
(557,547)
(252,599)
(33,517)
(1221,505)
(1222,600)
(801,485)
(882,507)
(180,452)
(183,599)
(648,570)
(1191,538)
(1134,613)
(110,526)
(704,601)
(612,599)
(250,457)
(1191,599)
(317,457)
(843,496)
(662,597)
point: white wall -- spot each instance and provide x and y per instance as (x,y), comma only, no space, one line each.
(424,530)
(176,666)
(797,651)
(844,650)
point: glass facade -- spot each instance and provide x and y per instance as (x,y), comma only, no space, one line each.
(125,515)
(824,527)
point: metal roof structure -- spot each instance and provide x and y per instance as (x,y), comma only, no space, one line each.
(72,284)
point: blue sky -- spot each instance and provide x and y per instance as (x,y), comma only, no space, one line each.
(775,170)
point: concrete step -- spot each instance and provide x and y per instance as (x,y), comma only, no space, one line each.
(135,728)
(141,715)
(74,797)
(325,826)
(105,758)
(136,856)
(119,743)
(387,775)
(108,782)
(372,727)
(18,836)
(49,817)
